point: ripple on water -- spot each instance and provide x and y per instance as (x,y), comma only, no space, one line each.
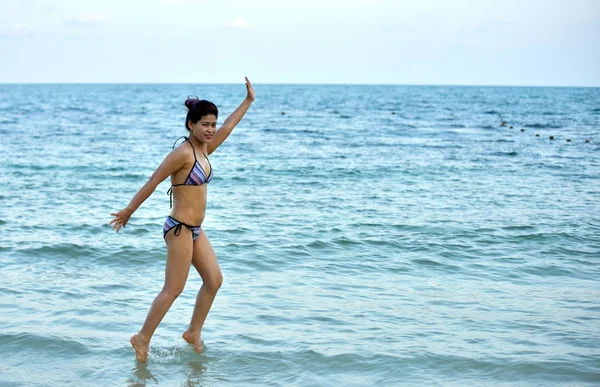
(59,250)
(49,345)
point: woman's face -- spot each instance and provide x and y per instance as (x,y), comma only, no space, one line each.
(205,128)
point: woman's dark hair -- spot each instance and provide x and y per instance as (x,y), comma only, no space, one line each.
(197,109)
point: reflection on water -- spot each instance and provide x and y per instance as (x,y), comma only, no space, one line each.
(196,374)
(191,372)
(142,375)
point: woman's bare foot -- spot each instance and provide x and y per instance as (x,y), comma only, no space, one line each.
(194,339)
(140,346)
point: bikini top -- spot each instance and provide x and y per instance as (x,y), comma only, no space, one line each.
(197,175)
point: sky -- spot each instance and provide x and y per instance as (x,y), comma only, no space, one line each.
(424,42)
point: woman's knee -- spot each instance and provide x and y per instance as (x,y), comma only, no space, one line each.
(173,291)
(214,282)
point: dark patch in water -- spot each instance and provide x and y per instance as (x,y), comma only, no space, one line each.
(427,262)
(505,154)
(345,242)
(525,227)
(543,126)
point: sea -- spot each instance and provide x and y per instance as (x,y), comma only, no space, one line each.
(368,236)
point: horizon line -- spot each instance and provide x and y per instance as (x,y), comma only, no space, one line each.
(296,84)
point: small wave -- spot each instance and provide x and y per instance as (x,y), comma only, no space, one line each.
(543,126)
(238,179)
(536,236)
(38,167)
(11,292)
(318,244)
(75,109)
(491,112)
(49,345)
(509,154)
(427,262)
(453,126)
(503,369)
(71,250)
(130,256)
(381,243)
(343,241)
(8,121)
(524,227)
(548,271)
(140,230)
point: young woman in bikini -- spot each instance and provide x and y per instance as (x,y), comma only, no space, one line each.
(190,172)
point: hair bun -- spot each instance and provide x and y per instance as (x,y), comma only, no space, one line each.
(190,102)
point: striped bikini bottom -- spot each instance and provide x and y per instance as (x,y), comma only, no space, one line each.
(172,223)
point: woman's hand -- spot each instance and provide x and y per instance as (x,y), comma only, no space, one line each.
(121,218)
(250,89)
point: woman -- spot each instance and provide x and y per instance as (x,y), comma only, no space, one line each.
(186,242)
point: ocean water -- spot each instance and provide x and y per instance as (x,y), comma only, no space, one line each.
(368,235)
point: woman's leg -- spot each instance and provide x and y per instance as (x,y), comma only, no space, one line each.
(205,262)
(179,257)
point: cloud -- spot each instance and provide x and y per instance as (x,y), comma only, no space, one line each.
(21,30)
(18,31)
(239,24)
(91,20)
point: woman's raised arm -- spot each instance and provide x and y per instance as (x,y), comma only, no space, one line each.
(233,119)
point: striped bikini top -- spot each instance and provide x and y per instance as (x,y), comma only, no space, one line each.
(197,175)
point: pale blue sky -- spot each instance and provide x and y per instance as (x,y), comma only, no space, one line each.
(464,42)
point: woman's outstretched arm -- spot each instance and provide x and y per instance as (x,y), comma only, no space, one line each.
(171,164)
(233,119)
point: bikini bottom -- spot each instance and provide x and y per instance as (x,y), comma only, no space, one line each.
(172,223)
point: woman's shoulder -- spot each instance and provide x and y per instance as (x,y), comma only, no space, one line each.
(182,150)
(184,145)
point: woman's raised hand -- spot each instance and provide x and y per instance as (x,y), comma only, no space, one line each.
(250,90)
